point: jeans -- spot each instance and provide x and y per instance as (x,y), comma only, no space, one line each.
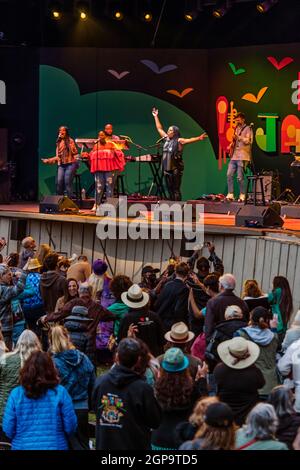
(233,167)
(64,181)
(104,180)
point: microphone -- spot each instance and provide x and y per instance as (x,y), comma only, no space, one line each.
(160,140)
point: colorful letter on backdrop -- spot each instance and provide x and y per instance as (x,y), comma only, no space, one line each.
(290,134)
(225,129)
(267,141)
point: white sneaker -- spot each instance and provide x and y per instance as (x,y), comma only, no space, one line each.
(230,197)
(242,197)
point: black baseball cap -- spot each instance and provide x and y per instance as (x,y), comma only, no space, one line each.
(219,415)
(150,269)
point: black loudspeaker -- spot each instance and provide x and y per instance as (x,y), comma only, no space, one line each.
(258,216)
(58,205)
(18,229)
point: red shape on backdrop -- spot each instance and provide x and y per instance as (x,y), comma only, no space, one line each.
(290,134)
(283,63)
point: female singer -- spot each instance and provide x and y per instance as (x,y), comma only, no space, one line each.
(172,155)
(67,164)
(106,160)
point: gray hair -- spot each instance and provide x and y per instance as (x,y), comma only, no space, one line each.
(26,241)
(84,287)
(262,422)
(233,311)
(28,342)
(227,281)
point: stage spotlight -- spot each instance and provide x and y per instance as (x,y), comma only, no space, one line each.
(118,15)
(222,9)
(265,6)
(55,10)
(147,16)
(83,9)
(192,8)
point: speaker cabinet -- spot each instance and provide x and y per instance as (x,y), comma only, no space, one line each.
(258,216)
(18,229)
(58,205)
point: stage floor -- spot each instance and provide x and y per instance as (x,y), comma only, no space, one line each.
(214,223)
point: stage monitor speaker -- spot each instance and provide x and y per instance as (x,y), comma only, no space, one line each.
(257,217)
(18,229)
(58,205)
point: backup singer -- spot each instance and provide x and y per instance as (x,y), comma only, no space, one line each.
(172,161)
(241,155)
(66,152)
(106,160)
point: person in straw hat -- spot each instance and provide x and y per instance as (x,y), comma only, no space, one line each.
(181,337)
(237,378)
(148,326)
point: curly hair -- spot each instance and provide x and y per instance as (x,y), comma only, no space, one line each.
(174,390)
(120,284)
(216,438)
(251,289)
(38,374)
(197,417)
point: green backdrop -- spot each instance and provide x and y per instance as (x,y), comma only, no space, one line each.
(130,113)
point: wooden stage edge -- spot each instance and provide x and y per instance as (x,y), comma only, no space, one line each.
(213,223)
(248,253)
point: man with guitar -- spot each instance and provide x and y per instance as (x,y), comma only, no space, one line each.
(240,155)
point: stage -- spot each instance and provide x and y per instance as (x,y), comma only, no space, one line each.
(249,253)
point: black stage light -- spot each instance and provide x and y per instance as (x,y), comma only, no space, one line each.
(265,6)
(222,9)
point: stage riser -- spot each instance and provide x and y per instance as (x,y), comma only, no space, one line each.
(214,207)
(290,211)
(248,257)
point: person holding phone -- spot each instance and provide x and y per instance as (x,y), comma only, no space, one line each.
(172,158)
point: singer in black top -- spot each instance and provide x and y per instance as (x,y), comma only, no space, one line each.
(66,152)
(172,155)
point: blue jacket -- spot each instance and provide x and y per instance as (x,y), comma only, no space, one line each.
(77,374)
(39,424)
(33,283)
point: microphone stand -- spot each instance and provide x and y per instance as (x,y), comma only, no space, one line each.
(139,147)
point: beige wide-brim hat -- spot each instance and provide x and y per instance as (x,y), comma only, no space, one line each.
(179,333)
(135,297)
(34,264)
(238,353)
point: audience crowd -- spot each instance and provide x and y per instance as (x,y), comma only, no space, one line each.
(178,361)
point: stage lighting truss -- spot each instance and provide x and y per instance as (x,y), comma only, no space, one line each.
(222,8)
(265,6)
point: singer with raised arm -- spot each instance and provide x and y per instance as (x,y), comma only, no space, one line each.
(240,152)
(106,159)
(67,164)
(172,161)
